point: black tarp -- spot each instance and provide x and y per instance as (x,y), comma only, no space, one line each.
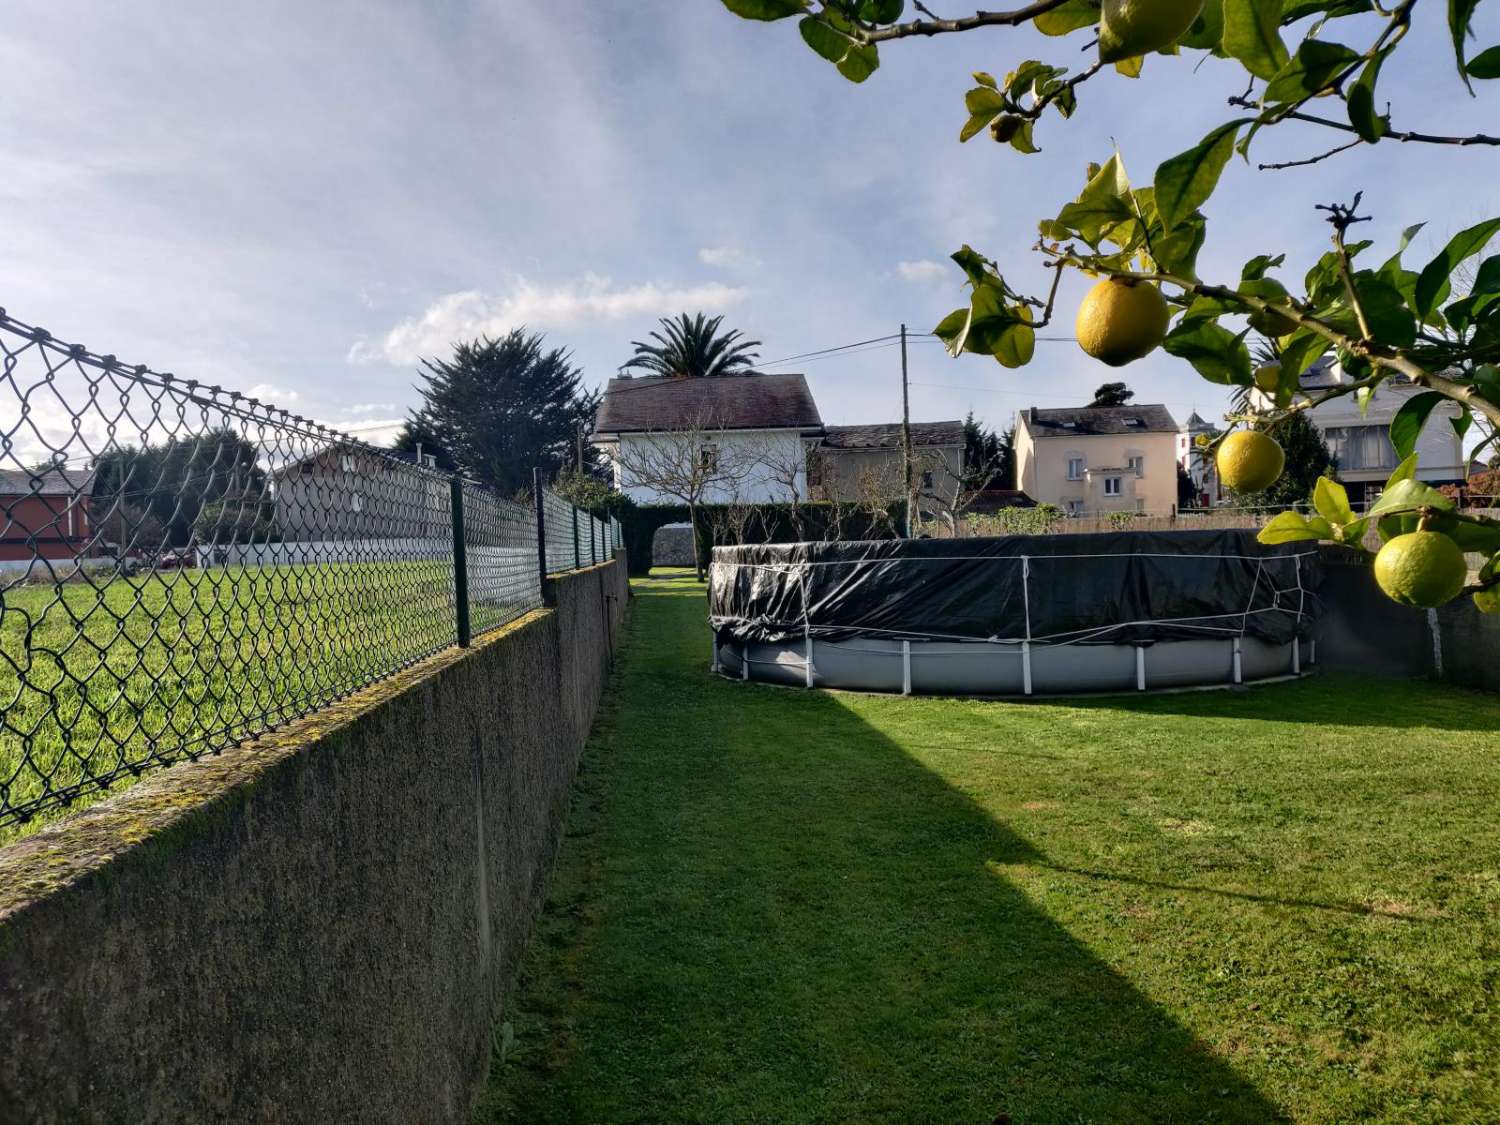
(1114,588)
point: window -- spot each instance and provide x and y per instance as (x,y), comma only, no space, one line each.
(1111,486)
(1075,507)
(1361,447)
(1075,468)
(1136,463)
(926,478)
(708,458)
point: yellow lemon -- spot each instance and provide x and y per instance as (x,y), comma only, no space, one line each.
(1268,377)
(1249,461)
(1119,321)
(1421,568)
(1133,27)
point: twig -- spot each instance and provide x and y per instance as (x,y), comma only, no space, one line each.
(1342,219)
(1389,135)
(1309,160)
(935,25)
(1035,111)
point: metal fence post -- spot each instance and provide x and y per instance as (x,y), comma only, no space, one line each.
(575,539)
(541,531)
(593,550)
(460,562)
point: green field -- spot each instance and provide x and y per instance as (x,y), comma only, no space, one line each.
(167,664)
(776,905)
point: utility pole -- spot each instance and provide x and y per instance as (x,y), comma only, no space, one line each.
(906,438)
(580,446)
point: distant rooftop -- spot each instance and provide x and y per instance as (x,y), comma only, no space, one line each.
(659,404)
(1131,418)
(45,482)
(887,435)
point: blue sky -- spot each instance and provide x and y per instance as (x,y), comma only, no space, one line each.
(298,200)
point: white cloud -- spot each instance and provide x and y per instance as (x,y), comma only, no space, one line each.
(923,270)
(728,257)
(272,394)
(460,316)
(370,408)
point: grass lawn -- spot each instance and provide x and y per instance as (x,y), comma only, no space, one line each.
(785,906)
(95,681)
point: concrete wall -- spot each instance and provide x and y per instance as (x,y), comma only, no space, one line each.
(318,927)
(1364,631)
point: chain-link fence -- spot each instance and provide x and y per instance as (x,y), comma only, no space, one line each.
(575,538)
(184,567)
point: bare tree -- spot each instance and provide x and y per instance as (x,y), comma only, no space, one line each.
(876,487)
(688,464)
(950,488)
(782,467)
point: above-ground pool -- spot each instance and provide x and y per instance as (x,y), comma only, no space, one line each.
(1018,615)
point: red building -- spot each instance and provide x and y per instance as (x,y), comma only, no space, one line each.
(44,514)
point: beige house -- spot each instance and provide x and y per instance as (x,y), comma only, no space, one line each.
(1093,460)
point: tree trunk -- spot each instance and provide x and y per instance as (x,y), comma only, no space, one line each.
(697,551)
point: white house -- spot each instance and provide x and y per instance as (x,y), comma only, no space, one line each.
(1360,442)
(1200,469)
(750,432)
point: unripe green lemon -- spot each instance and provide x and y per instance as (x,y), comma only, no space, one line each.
(1487,600)
(1120,321)
(1133,27)
(1421,568)
(1249,461)
(1268,377)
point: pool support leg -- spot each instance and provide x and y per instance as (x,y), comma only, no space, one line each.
(905,667)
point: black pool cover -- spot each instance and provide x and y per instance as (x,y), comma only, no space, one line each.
(1114,588)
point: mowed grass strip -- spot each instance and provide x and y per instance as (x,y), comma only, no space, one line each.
(96,678)
(775,905)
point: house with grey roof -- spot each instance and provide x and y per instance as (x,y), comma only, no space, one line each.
(1093,460)
(738,437)
(760,438)
(855,461)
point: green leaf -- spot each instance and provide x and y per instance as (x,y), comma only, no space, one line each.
(1206,30)
(975,125)
(1067,17)
(880,11)
(1459,14)
(861,62)
(1462,422)
(1020,140)
(1407,470)
(1331,500)
(766,9)
(1015,346)
(1177,252)
(1251,35)
(1215,352)
(1390,320)
(982,99)
(1300,9)
(1408,496)
(1362,115)
(1302,349)
(1311,69)
(1434,276)
(832,45)
(1486,64)
(953,330)
(1473,536)
(1256,267)
(1407,425)
(1186,180)
(1293,527)
(984,79)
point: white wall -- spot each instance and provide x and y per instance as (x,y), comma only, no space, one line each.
(740,451)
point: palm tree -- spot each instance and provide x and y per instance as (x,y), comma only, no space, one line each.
(692,348)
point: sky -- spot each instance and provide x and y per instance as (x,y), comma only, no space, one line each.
(302,200)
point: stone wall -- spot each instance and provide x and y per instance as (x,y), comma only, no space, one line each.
(321,926)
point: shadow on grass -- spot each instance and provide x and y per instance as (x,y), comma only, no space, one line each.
(767,911)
